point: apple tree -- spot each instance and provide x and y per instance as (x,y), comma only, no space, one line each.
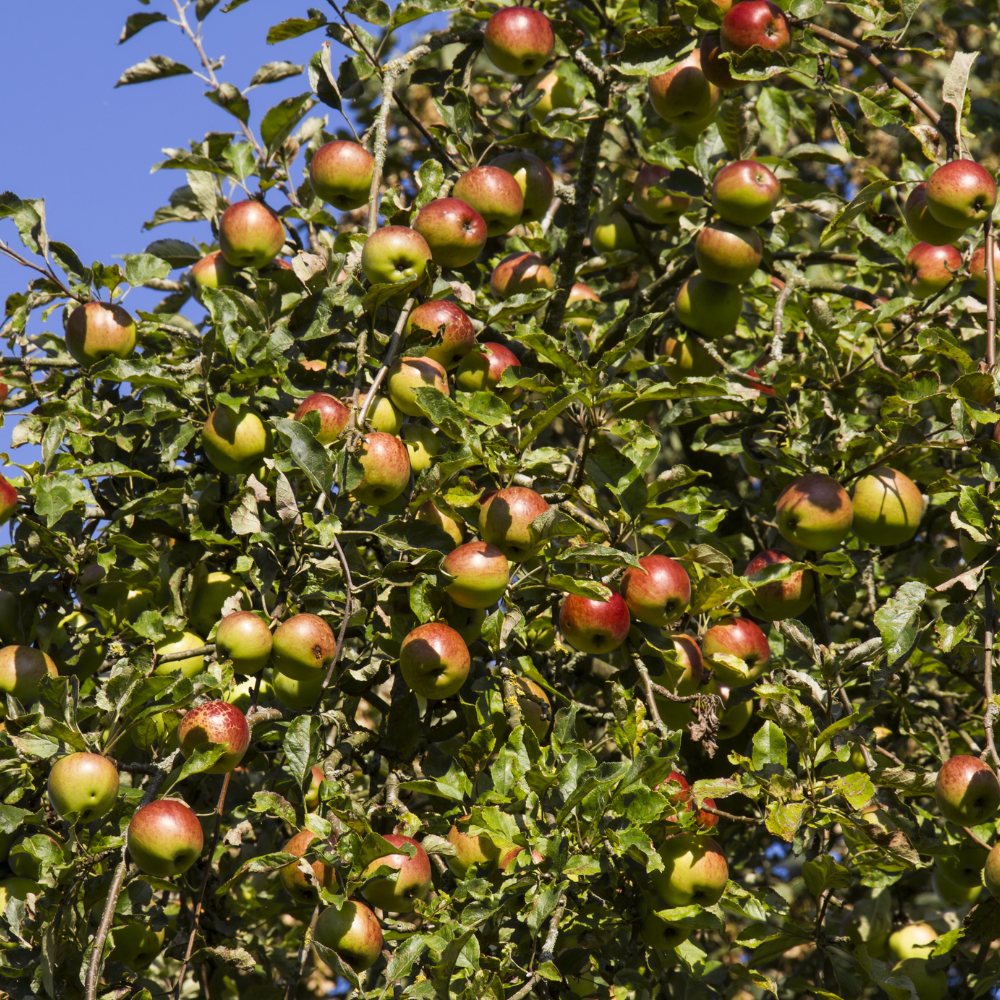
(541,541)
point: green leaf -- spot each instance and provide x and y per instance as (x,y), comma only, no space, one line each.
(141,267)
(824,873)
(134,23)
(584,588)
(229,98)
(898,618)
(177,253)
(272,72)
(294,27)
(298,746)
(307,453)
(204,756)
(769,746)
(279,122)
(153,68)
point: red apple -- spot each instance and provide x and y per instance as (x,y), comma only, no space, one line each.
(448,324)
(519,40)
(480,573)
(716,69)
(977,268)
(453,229)
(923,225)
(84,784)
(395,255)
(708,307)
(165,838)
(218,723)
(594,626)
(341,174)
(250,234)
(745,192)
(815,512)
(534,179)
(961,194)
(781,599)
(683,94)
(8,500)
(581,293)
(755,23)
(213,271)
(966,790)
(657,593)
(741,638)
(434,661)
(303,647)
(99,330)
(333,415)
(495,195)
(409,374)
(682,798)
(728,253)
(386,465)
(22,669)
(482,370)
(353,932)
(505,521)
(245,640)
(519,274)
(412,881)
(295,881)
(235,441)
(930,269)
(663,195)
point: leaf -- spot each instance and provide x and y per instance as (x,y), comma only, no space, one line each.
(897,619)
(272,72)
(294,27)
(298,746)
(825,873)
(204,756)
(141,267)
(264,863)
(769,747)
(176,252)
(857,205)
(229,98)
(584,588)
(279,122)
(154,68)
(307,453)
(134,23)
(775,113)
(953,93)
(784,820)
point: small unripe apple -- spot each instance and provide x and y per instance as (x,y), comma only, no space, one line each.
(534,179)
(741,638)
(297,694)
(422,445)
(210,596)
(757,23)
(708,307)
(136,945)
(688,359)
(887,507)
(409,374)
(658,592)
(923,225)
(250,234)
(683,93)
(663,195)
(303,647)
(930,985)
(333,415)
(505,521)
(519,274)
(85,784)
(977,268)
(99,330)
(952,893)
(555,93)
(991,872)
(612,231)
(482,369)
(930,269)
(384,416)
(450,326)
(735,715)
(353,932)
(165,838)
(218,723)
(694,871)
(470,850)
(965,866)
(386,465)
(394,255)
(177,642)
(22,669)
(341,174)
(294,881)
(815,512)
(480,573)
(581,293)
(912,941)
(432,515)
(213,271)
(434,661)
(495,195)
(662,934)
(960,194)
(745,192)
(966,790)
(728,253)
(594,626)
(8,500)
(235,441)
(412,881)
(519,40)
(454,230)
(781,599)
(245,640)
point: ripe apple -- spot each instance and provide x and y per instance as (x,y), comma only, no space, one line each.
(815,512)
(481,370)
(449,325)
(453,229)
(495,195)
(923,225)
(412,882)
(341,174)
(22,669)
(966,791)
(683,677)
(533,178)
(422,446)
(912,941)
(383,416)
(683,93)
(99,330)
(657,593)
(250,234)
(741,638)
(716,69)
(688,359)
(728,253)
(694,871)
(594,626)
(952,893)
(333,415)
(434,661)
(213,271)
(755,23)
(745,192)
(977,268)
(294,881)
(965,866)
(303,647)
(433,515)
(612,231)
(929,269)
(929,985)
(353,932)
(887,507)
(235,441)
(210,596)
(555,93)
(176,642)
(581,293)
(8,500)
(244,639)
(536,709)
(165,838)
(505,521)
(519,40)
(409,374)
(682,797)
(708,307)
(991,872)
(394,255)
(386,465)
(664,195)
(961,194)
(471,850)
(480,573)
(297,694)
(520,273)
(85,784)
(781,599)
(218,723)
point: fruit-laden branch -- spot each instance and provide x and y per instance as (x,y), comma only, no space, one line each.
(348,591)
(647,685)
(47,272)
(510,699)
(37,363)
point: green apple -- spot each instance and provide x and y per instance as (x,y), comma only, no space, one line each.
(708,307)
(929,985)
(297,694)
(422,445)
(409,374)
(84,784)
(912,941)
(244,639)
(395,255)
(923,225)
(177,642)
(887,507)
(683,93)
(991,872)
(431,514)
(694,871)
(99,330)
(480,574)
(341,174)
(353,932)
(815,512)
(612,231)
(235,441)
(303,647)
(728,253)
(22,669)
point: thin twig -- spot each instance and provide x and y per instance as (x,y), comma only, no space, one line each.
(390,354)
(978,840)
(293,980)
(511,703)
(24,262)
(647,684)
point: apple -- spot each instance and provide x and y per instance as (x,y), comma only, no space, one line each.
(505,521)
(294,881)
(930,269)
(218,723)
(409,374)
(295,693)
(22,669)
(244,639)
(610,232)
(536,709)
(741,638)
(780,599)
(519,40)
(433,515)
(85,784)
(682,797)
(470,850)
(755,23)
(449,325)
(176,642)
(235,441)
(977,268)
(814,511)
(520,273)
(683,93)
(929,985)
(303,647)
(136,945)
(412,882)
(952,893)
(965,866)
(664,195)
(912,941)
(341,173)
(422,446)
(434,661)
(728,253)
(394,255)
(495,195)
(453,229)
(923,225)
(383,415)
(658,592)
(683,677)
(708,307)
(887,507)
(210,596)
(745,192)
(165,838)
(660,933)
(333,415)
(8,500)
(480,574)
(694,871)
(533,178)
(735,716)
(99,330)
(353,932)
(716,69)
(991,872)
(581,293)
(213,271)
(482,370)
(966,791)
(594,626)
(316,779)
(961,194)
(555,93)
(386,465)
(689,359)
(250,234)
